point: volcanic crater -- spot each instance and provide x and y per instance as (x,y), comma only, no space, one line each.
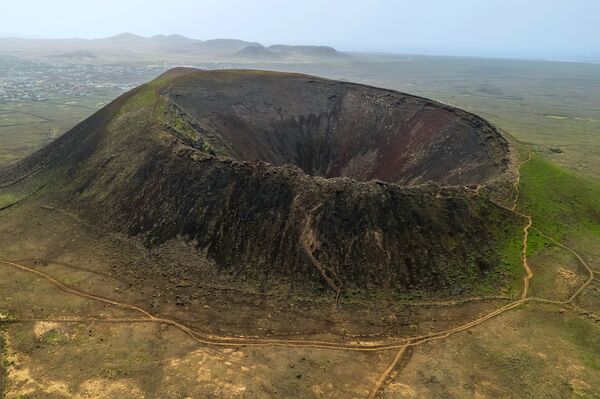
(290,179)
(337,129)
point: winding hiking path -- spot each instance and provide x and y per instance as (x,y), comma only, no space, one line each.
(400,344)
(385,374)
(524,295)
(210,339)
(529,273)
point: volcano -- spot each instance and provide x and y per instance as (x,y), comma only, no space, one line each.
(288,178)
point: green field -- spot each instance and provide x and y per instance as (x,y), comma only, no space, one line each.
(27,126)
(563,203)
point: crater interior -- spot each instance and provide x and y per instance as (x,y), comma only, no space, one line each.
(338,129)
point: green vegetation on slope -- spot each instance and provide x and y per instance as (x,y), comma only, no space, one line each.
(9,198)
(512,266)
(563,204)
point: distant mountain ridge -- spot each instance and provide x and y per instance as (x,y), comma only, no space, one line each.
(126,45)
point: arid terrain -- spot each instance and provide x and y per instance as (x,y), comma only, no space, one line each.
(247,234)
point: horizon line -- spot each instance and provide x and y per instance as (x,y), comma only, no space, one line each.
(595,59)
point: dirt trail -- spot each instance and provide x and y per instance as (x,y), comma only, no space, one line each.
(209,339)
(76,320)
(400,345)
(256,341)
(517,182)
(387,371)
(591,272)
(310,242)
(529,273)
(524,296)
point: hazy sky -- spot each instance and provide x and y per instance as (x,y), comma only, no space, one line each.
(525,28)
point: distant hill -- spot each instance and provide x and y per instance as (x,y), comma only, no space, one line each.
(219,46)
(131,47)
(313,51)
(283,52)
(257,52)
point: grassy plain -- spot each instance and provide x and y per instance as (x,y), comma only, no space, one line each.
(27,126)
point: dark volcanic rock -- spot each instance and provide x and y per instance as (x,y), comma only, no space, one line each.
(290,177)
(335,129)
